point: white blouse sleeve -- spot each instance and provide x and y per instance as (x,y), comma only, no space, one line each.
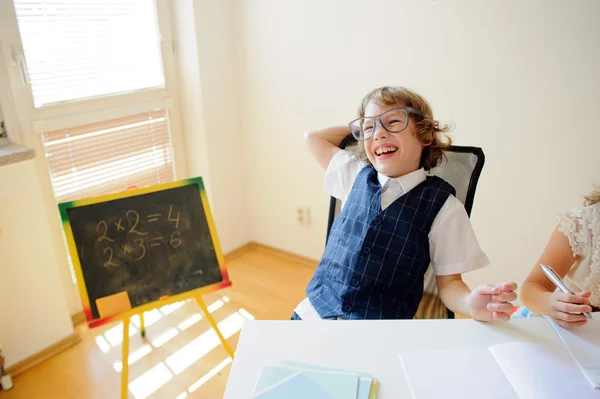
(341,173)
(572,224)
(453,246)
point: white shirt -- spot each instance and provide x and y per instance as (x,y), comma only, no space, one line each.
(453,247)
(581,225)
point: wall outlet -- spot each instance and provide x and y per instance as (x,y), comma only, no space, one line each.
(303,215)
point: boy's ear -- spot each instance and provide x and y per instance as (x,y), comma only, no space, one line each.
(426,141)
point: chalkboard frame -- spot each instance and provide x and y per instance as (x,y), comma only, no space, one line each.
(72,247)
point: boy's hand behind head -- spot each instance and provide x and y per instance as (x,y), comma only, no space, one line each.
(492,301)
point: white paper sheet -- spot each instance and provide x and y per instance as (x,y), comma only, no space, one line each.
(584,344)
(455,373)
(538,371)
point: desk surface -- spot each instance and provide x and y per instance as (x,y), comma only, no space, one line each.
(370,346)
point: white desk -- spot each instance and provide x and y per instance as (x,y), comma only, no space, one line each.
(370,346)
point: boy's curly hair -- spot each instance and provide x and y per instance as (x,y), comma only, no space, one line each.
(429,131)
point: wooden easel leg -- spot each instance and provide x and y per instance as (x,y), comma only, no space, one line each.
(125,360)
(142,325)
(213,324)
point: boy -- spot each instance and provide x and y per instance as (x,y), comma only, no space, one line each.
(395,221)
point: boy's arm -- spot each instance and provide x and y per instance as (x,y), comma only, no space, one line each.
(484,303)
(323,144)
(539,293)
(454,251)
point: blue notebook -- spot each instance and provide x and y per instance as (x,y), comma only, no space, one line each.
(296,386)
(364,381)
(283,382)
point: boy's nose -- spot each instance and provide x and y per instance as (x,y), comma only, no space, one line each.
(379,131)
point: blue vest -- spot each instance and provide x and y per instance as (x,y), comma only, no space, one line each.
(374,261)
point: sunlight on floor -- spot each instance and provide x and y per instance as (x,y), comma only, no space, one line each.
(102,344)
(150,318)
(115,334)
(190,321)
(133,357)
(216,305)
(152,380)
(165,337)
(246,314)
(206,342)
(209,375)
(166,310)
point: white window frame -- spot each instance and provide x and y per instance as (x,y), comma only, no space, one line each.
(26,123)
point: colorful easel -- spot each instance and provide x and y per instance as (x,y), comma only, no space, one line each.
(120,307)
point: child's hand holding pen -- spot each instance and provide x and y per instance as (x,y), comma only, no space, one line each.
(568,309)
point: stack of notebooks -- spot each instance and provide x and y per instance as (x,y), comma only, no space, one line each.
(294,380)
(514,370)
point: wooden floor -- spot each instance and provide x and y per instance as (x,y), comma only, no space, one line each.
(181,356)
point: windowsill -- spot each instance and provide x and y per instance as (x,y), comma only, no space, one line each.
(13,153)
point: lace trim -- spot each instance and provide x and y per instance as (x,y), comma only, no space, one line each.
(568,226)
(593,280)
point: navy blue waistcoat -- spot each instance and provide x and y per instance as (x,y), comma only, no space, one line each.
(374,261)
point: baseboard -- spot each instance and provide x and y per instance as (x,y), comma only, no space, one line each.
(229,256)
(78,318)
(44,355)
(253,245)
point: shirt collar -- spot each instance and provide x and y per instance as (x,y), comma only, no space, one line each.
(407,182)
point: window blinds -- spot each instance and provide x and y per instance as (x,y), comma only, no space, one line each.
(79,49)
(108,156)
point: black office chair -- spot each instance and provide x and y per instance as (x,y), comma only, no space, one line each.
(461,168)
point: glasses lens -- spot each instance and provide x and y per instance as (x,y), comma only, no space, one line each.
(362,128)
(395,120)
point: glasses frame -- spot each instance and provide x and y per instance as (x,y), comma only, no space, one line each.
(408,111)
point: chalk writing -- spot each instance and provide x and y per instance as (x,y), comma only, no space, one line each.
(171,219)
(154,217)
(118,225)
(137,220)
(175,241)
(136,248)
(103,237)
(109,262)
(156,244)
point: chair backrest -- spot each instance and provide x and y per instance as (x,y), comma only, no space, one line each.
(461,168)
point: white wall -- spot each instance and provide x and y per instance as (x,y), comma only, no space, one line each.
(209,93)
(33,309)
(519,79)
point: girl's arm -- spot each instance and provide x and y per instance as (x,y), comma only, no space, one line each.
(539,293)
(323,144)
(484,303)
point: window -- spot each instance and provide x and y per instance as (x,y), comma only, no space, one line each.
(109,156)
(92,84)
(88,48)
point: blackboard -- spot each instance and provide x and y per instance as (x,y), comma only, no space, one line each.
(139,248)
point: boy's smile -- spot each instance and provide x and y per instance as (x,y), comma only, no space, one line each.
(385,151)
(392,154)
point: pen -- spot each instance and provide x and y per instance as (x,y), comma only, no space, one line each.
(555,278)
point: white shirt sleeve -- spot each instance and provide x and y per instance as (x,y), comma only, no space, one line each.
(453,246)
(341,173)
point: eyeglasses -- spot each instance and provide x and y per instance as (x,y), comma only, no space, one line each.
(394,120)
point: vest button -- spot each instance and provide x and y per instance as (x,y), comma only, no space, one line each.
(377,221)
(347,308)
(355,282)
(366,250)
